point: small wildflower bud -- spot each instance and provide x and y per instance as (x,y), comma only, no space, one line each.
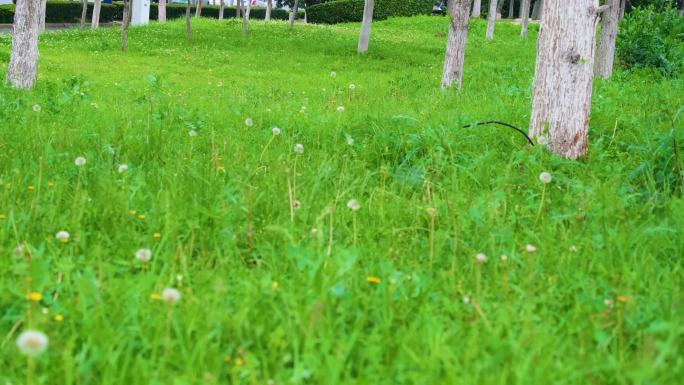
(481,258)
(249,122)
(45,310)
(431,211)
(276,131)
(333,74)
(18,251)
(123,168)
(80,161)
(32,342)
(573,248)
(143,255)
(608,302)
(530,248)
(156,235)
(373,280)
(340,108)
(354,205)
(352,86)
(179,278)
(299,148)
(275,286)
(192,133)
(545,177)
(34,296)
(171,295)
(36,107)
(504,258)
(59,318)
(350,140)
(62,236)
(466,299)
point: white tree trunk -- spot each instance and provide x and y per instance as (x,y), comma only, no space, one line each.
(95,20)
(293,14)
(605,56)
(538,10)
(198,8)
(221,9)
(42,15)
(269,6)
(245,18)
(525,17)
(561,99)
(477,8)
(623,6)
(491,19)
(364,35)
(188,24)
(511,9)
(124,25)
(23,64)
(84,12)
(162,11)
(456,44)
(238,9)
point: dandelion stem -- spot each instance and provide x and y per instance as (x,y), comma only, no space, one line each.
(354,227)
(330,233)
(541,204)
(266,147)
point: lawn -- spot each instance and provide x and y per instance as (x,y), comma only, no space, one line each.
(314,292)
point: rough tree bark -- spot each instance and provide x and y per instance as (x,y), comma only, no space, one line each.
(511,9)
(561,98)
(23,64)
(491,19)
(188,25)
(605,56)
(162,11)
(245,18)
(293,14)
(269,6)
(84,11)
(499,8)
(124,25)
(525,17)
(364,35)
(221,9)
(42,15)
(198,8)
(238,9)
(456,44)
(477,8)
(95,20)
(537,10)
(623,6)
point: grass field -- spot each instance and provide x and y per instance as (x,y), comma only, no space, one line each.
(389,294)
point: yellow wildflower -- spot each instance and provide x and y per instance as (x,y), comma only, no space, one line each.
(51,184)
(34,296)
(373,280)
(132,212)
(141,216)
(59,318)
(239,361)
(156,235)
(31,188)
(623,298)
(3,216)
(155,296)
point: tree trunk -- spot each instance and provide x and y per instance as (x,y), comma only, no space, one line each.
(293,14)
(269,6)
(623,6)
(245,18)
(188,25)
(198,9)
(124,25)
(561,99)
(84,12)
(221,9)
(681,9)
(511,9)
(456,44)
(605,56)
(537,10)
(491,19)
(525,17)
(42,15)
(364,35)
(477,8)
(238,9)
(499,8)
(23,64)
(95,20)
(162,11)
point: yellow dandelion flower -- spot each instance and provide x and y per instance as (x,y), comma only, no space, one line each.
(156,235)
(59,318)
(3,216)
(373,280)
(155,297)
(141,216)
(239,361)
(275,286)
(132,212)
(34,296)
(221,169)
(31,188)
(51,184)
(623,298)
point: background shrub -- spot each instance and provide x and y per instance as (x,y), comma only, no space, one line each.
(343,11)
(649,37)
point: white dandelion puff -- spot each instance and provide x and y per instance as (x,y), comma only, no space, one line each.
(352,86)
(276,131)
(545,177)
(143,255)
(171,295)
(249,122)
(340,108)
(354,205)
(333,74)
(123,168)
(32,342)
(62,236)
(481,258)
(36,108)
(504,258)
(530,248)
(608,302)
(192,133)
(466,299)
(80,161)
(350,140)
(299,148)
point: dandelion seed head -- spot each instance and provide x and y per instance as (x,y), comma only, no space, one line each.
(504,258)
(350,140)
(62,236)
(466,299)
(352,86)
(143,255)
(354,205)
(276,131)
(19,251)
(333,74)
(192,133)
(80,161)
(481,258)
(32,342)
(171,295)
(545,177)
(179,277)
(296,204)
(249,122)
(340,108)
(608,302)
(530,248)
(123,168)
(299,148)
(36,108)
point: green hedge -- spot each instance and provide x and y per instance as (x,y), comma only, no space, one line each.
(342,11)
(70,12)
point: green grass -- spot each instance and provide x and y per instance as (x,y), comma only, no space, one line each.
(262,299)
